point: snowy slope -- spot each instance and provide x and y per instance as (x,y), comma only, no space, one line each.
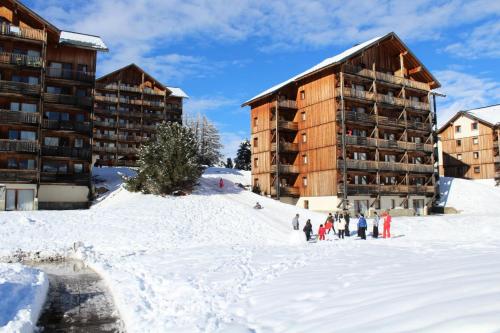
(209,262)
(22,294)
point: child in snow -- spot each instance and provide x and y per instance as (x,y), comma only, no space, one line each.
(221,183)
(329,223)
(362,225)
(341,226)
(321,232)
(308,230)
(376,221)
(295,222)
(387,225)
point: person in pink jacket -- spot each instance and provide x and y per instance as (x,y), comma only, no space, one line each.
(387,225)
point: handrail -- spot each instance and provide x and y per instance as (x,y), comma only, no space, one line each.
(24,32)
(20,59)
(8,116)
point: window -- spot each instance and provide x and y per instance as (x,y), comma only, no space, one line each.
(55,167)
(302,95)
(459,143)
(475,154)
(78,143)
(84,69)
(361,206)
(390,158)
(54,90)
(255,142)
(459,157)
(458,129)
(79,117)
(12,163)
(377,203)
(475,141)
(78,167)
(19,199)
(81,92)
(255,121)
(27,164)
(304,159)
(477,169)
(361,180)
(303,115)
(64,116)
(359,156)
(474,126)
(256,162)
(51,141)
(28,135)
(304,181)
(304,137)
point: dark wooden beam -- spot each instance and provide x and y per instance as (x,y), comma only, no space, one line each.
(415,70)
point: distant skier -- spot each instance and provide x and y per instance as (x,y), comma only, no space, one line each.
(376,221)
(295,222)
(362,225)
(387,225)
(347,219)
(221,183)
(321,232)
(308,229)
(341,226)
(257,206)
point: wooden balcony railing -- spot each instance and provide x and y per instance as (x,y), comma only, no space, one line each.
(68,100)
(130,114)
(76,126)
(351,116)
(20,60)
(81,153)
(284,125)
(105,136)
(286,147)
(106,111)
(127,150)
(23,146)
(417,105)
(78,178)
(354,93)
(137,89)
(126,163)
(369,165)
(131,138)
(14,175)
(149,127)
(287,103)
(285,168)
(22,88)
(67,74)
(382,143)
(24,33)
(18,117)
(104,123)
(108,99)
(391,100)
(368,189)
(104,149)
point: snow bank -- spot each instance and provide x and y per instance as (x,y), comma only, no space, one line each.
(22,294)
(476,197)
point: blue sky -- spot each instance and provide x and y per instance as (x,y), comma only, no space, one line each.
(224,52)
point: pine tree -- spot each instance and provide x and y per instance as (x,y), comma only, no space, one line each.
(168,162)
(243,156)
(208,140)
(229,163)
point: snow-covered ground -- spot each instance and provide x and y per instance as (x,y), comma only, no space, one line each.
(209,262)
(22,294)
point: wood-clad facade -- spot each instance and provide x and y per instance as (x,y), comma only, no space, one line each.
(357,134)
(129,103)
(469,147)
(46,89)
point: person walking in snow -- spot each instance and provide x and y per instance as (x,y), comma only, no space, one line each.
(376,221)
(221,183)
(336,216)
(341,226)
(308,230)
(347,218)
(329,223)
(321,232)
(295,222)
(387,225)
(362,226)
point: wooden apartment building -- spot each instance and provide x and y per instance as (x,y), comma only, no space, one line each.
(46,86)
(468,144)
(129,103)
(356,132)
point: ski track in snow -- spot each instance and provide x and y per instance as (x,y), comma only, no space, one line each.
(209,262)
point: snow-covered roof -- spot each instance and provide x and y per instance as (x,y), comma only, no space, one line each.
(325,63)
(177,92)
(82,40)
(490,114)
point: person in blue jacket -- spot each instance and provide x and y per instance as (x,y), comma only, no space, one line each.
(362,226)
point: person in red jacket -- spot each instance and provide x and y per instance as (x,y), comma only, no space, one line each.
(221,183)
(387,225)
(321,232)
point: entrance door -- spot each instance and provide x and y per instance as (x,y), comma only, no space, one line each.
(19,199)
(418,205)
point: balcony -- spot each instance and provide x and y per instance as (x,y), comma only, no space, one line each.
(286,191)
(369,189)
(356,94)
(70,75)
(18,117)
(390,100)
(356,117)
(15,175)
(149,127)
(497,159)
(130,114)
(368,165)
(105,136)
(21,146)
(126,163)
(127,150)
(77,101)
(288,104)
(100,123)
(78,178)
(385,77)
(100,149)
(286,147)
(385,144)
(284,125)
(20,60)
(130,138)
(11,87)
(136,89)
(285,169)
(107,99)
(154,104)
(106,112)
(28,34)
(60,125)
(79,153)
